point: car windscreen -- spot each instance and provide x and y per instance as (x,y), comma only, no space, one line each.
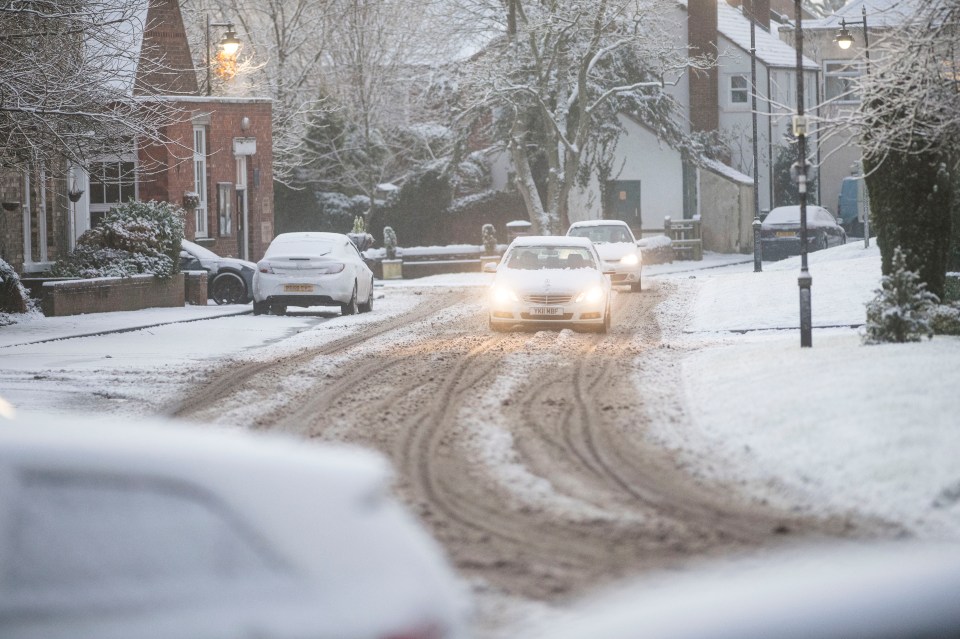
(532,258)
(602,233)
(301,247)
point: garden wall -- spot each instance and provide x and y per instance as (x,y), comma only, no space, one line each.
(104,294)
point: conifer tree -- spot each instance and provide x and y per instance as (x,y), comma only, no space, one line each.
(901,310)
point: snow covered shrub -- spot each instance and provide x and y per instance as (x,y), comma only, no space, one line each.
(390,242)
(945,319)
(489,237)
(901,310)
(133,238)
(657,249)
(13,297)
(358,225)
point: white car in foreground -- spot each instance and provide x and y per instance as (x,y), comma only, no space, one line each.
(617,247)
(550,281)
(887,591)
(312,269)
(123,530)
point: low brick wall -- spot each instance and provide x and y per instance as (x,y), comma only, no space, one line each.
(195,287)
(104,294)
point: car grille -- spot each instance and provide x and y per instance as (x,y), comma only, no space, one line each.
(548,298)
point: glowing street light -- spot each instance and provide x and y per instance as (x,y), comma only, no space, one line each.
(229,46)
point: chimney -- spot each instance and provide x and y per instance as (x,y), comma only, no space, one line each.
(760,10)
(702,40)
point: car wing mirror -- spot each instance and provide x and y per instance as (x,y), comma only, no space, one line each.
(490,267)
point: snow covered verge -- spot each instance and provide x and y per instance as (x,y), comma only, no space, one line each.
(840,426)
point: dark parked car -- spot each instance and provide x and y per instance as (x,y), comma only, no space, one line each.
(780,231)
(229,280)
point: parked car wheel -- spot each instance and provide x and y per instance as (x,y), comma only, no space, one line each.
(367,306)
(350,308)
(228,288)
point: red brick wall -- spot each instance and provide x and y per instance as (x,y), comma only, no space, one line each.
(702,38)
(166,64)
(171,174)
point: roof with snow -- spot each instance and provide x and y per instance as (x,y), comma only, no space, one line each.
(727,171)
(880,13)
(771,50)
(118,51)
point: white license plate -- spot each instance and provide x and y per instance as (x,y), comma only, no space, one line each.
(546,310)
(298,288)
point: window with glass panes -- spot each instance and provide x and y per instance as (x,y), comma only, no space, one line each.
(111,183)
(200,177)
(839,80)
(739,90)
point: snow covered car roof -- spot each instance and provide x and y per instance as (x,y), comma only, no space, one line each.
(598,223)
(551,240)
(817,217)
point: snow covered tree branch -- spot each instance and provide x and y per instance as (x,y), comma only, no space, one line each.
(556,82)
(69,89)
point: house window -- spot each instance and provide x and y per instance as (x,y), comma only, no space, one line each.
(200,177)
(111,183)
(840,81)
(225,208)
(739,89)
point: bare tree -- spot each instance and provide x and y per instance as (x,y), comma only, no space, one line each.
(557,80)
(909,124)
(68,81)
(283,44)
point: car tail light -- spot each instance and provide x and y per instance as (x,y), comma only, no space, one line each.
(264,267)
(330,269)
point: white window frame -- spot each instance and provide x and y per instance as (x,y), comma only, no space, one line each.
(744,90)
(845,71)
(94,209)
(200,179)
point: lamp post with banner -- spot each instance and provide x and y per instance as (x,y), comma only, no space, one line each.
(800,170)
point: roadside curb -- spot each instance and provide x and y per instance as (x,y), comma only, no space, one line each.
(126,329)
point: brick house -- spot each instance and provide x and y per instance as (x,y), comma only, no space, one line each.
(219,148)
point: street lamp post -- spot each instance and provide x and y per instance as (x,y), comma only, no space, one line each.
(844,41)
(229,43)
(757,248)
(805,282)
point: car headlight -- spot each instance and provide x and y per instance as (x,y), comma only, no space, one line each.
(592,294)
(503,295)
(630,260)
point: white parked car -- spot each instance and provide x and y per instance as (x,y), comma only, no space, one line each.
(617,247)
(886,591)
(312,269)
(229,279)
(550,281)
(153,531)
